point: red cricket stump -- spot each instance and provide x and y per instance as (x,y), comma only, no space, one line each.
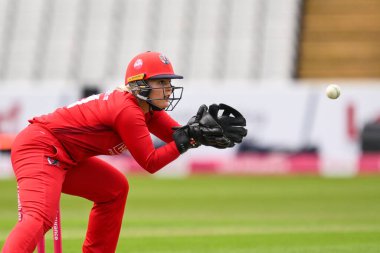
(41,245)
(57,236)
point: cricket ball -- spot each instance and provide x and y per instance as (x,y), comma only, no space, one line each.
(333,91)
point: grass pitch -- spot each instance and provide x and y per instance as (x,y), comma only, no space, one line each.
(230,214)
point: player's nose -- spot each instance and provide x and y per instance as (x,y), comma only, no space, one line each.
(168,91)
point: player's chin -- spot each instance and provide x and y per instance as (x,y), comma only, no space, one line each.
(162,104)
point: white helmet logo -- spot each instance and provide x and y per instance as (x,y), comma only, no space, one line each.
(138,64)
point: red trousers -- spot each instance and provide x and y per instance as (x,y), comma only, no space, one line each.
(42,170)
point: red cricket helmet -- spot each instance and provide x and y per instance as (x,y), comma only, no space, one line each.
(150,65)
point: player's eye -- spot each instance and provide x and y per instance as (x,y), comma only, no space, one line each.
(165,83)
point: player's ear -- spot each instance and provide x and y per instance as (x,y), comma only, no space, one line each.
(143,88)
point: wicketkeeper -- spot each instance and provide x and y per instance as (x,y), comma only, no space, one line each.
(56,152)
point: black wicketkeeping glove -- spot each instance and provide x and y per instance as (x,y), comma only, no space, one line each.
(201,129)
(232,121)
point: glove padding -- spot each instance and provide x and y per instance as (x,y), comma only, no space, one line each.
(231,120)
(207,131)
(201,129)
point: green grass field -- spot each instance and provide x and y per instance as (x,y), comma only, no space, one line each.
(231,214)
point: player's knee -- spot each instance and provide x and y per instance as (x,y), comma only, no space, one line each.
(119,190)
(123,187)
(40,220)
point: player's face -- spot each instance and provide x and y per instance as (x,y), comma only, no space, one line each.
(160,93)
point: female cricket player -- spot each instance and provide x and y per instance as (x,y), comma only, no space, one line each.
(56,152)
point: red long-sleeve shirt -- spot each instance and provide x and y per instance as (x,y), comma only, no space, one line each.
(109,123)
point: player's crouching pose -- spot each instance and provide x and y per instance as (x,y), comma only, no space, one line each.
(56,152)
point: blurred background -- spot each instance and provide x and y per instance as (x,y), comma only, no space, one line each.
(270,59)
(305,179)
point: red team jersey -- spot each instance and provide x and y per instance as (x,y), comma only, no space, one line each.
(108,124)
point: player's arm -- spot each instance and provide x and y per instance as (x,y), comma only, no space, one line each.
(130,125)
(161,125)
